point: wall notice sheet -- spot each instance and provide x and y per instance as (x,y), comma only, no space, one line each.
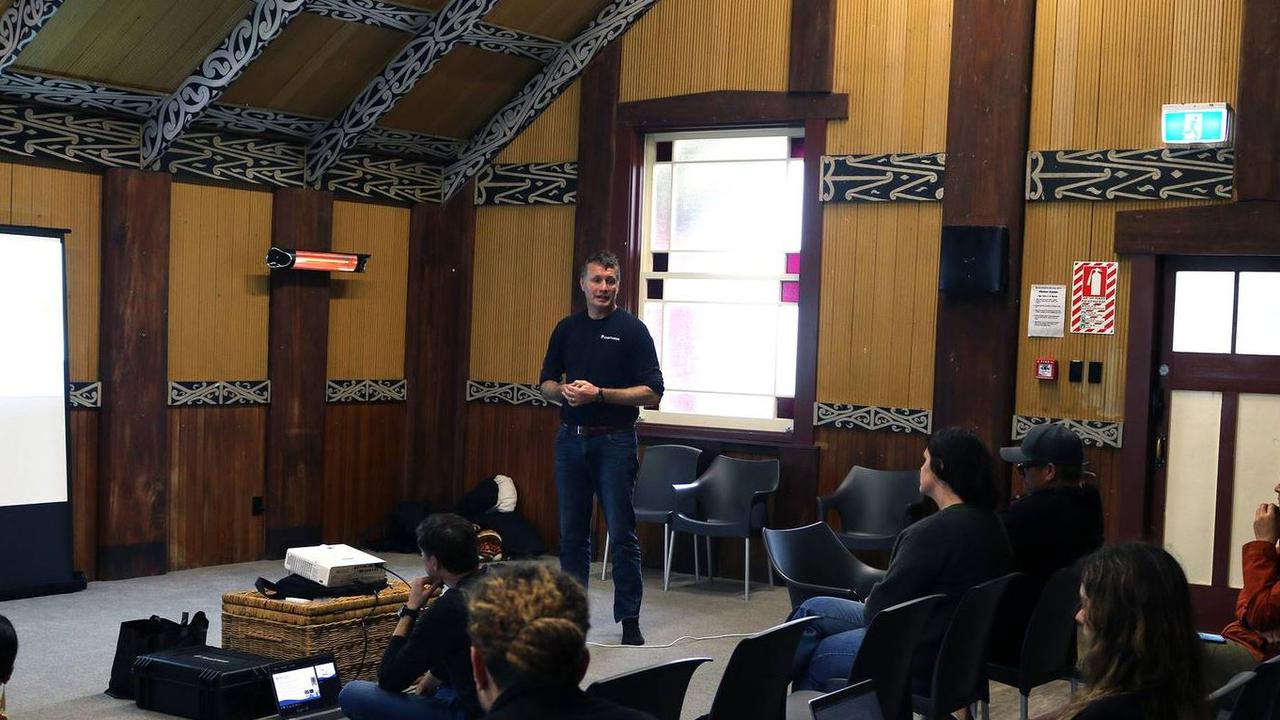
(1047,310)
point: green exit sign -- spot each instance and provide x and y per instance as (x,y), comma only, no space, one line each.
(1196,124)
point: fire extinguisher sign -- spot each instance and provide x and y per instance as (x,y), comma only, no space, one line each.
(1093,298)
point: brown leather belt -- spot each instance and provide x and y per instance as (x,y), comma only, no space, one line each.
(592,430)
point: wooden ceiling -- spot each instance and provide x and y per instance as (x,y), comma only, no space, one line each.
(559,19)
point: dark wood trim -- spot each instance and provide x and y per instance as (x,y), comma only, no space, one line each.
(1226,373)
(296,361)
(1244,228)
(733,108)
(652,433)
(1257,141)
(815,146)
(988,120)
(1222,549)
(597,122)
(1145,278)
(1212,607)
(811,65)
(626,190)
(133,358)
(437,347)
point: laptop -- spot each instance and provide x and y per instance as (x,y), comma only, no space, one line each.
(856,702)
(307,689)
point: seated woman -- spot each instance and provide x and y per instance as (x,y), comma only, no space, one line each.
(8,652)
(528,647)
(1142,655)
(960,546)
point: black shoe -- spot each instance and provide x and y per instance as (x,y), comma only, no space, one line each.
(631,632)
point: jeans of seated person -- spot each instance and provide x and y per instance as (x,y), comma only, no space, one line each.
(363,700)
(603,465)
(829,644)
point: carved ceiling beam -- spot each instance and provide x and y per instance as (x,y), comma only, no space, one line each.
(19,25)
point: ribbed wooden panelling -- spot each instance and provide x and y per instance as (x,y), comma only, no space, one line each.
(879,301)
(84,489)
(522,271)
(1058,234)
(366,311)
(1102,68)
(553,137)
(893,59)
(363,459)
(47,197)
(219,284)
(691,46)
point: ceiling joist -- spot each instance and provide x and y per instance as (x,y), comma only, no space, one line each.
(211,78)
(19,25)
(416,59)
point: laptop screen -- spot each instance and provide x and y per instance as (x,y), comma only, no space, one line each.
(854,702)
(306,685)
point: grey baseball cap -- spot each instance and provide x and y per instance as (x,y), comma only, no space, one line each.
(1047,443)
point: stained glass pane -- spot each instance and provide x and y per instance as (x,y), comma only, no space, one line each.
(1202,308)
(1258,314)
(785,347)
(705,348)
(742,291)
(790,291)
(726,263)
(653,320)
(726,405)
(660,219)
(732,148)
(735,206)
(793,263)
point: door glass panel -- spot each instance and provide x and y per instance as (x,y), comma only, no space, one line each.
(1257,457)
(1258,315)
(1191,480)
(1202,308)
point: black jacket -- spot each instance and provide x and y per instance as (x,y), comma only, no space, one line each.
(537,702)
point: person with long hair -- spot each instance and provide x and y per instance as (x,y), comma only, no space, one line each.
(529,647)
(1142,656)
(960,546)
(8,652)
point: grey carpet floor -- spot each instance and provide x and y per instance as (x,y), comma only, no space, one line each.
(67,641)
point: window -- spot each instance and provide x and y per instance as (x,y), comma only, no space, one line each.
(720,272)
(1224,312)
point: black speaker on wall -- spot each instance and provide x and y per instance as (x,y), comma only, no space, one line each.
(975,258)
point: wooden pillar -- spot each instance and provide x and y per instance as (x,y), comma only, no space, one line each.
(975,365)
(595,225)
(1258,99)
(134,449)
(297,363)
(811,66)
(437,347)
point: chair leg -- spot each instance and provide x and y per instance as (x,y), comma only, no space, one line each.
(695,557)
(710,574)
(986,709)
(1022,707)
(746,569)
(604,561)
(666,556)
(1075,685)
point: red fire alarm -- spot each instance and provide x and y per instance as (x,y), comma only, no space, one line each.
(1046,369)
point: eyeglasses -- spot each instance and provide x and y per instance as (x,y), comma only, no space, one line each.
(1023,466)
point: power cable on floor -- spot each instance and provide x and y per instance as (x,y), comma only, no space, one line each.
(682,638)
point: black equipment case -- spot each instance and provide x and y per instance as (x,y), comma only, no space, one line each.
(205,683)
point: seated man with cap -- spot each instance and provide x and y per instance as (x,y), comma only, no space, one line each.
(1056,521)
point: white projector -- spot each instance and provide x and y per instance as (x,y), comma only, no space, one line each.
(334,565)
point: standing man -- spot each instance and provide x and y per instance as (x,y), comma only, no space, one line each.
(601,367)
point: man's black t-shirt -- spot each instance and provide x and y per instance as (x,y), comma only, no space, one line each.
(615,351)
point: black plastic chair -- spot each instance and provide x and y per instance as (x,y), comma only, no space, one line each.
(814,563)
(1048,646)
(755,681)
(661,467)
(855,702)
(884,658)
(872,505)
(1260,696)
(959,673)
(658,689)
(730,499)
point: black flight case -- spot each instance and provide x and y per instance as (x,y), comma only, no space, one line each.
(205,683)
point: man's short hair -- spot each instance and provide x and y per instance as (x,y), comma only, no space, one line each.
(8,648)
(604,259)
(451,540)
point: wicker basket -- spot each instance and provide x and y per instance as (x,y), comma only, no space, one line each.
(355,629)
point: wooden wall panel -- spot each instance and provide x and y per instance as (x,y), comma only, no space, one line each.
(216,468)
(553,137)
(691,46)
(366,311)
(84,490)
(219,284)
(523,256)
(1103,67)
(879,299)
(363,458)
(50,197)
(519,442)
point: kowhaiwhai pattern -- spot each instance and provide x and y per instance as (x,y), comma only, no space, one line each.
(19,25)
(1098,433)
(85,394)
(185,393)
(33,133)
(247,40)
(394,82)
(542,89)
(883,178)
(257,121)
(238,159)
(528,184)
(404,142)
(510,42)
(394,178)
(509,393)
(77,94)
(364,391)
(1152,174)
(871,417)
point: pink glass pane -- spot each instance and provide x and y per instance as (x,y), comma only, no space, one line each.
(797,147)
(660,220)
(705,348)
(793,263)
(790,291)
(722,404)
(786,345)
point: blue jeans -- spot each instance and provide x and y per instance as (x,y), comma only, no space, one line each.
(829,644)
(603,465)
(363,700)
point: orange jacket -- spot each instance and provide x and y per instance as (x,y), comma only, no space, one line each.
(1257,623)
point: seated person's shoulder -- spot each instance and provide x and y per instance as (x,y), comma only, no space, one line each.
(1121,706)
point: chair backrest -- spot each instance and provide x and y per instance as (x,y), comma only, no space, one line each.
(813,555)
(876,501)
(726,489)
(755,680)
(960,670)
(886,652)
(1048,648)
(855,701)
(1258,699)
(658,689)
(662,466)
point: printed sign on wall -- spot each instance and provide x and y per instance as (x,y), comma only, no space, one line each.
(1093,298)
